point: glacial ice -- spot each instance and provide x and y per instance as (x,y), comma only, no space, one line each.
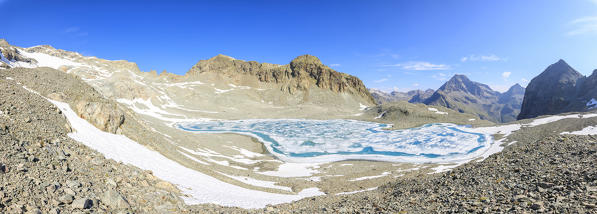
(313,141)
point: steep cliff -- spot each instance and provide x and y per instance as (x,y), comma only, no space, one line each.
(302,74)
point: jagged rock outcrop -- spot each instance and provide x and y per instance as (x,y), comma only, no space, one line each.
(303,73)
(105,116)
(9,55)
(558,89)
(466,96)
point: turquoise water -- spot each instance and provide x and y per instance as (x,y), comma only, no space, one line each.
(333,140)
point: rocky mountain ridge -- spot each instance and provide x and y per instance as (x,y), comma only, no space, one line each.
(463,95)
(301,73)
(558,89)
(246,88)
(412,96)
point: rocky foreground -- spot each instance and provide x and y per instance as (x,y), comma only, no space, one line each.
(42,170)
(554,175)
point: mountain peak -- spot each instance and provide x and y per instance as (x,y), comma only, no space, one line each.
(515,89)
(560,71)
(459,78)
(461,83)
(3,42)
(221,57)
(305,60)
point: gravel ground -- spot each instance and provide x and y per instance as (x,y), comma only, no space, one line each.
(555,175)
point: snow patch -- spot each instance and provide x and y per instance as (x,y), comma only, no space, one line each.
(380,115)
(592,103)
(258,183)
(436,111)
(362,107)
(199,187)
(221,91)
(357,191)
(384,174)
(45,60)
(589,130)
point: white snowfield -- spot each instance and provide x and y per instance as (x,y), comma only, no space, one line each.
(357,191)
(436,111)
(200,187)
(592,103)
(589,130)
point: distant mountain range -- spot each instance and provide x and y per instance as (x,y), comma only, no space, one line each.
(413,96)
(559,89)
(465,96)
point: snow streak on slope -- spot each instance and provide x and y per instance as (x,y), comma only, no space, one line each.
(200,187)
(592,103)
(589,130)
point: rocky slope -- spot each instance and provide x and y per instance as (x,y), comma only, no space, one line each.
(407,115)
(413,96)
(42,170)
(559,89)
(464,95)
(552,174)
(303,73)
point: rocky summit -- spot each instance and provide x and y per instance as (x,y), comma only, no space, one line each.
(463,95)
(559,88)
(303,73)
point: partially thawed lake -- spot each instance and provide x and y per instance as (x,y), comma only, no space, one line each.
(301,140)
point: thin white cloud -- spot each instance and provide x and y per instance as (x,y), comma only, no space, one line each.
(421,66)
(74,31)
(440,76)
(381,80)
(483,58)
(585,25)
(506,75)
(71,29)
(416,84)
(335,65)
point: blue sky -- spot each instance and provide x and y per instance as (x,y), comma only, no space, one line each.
(390,45)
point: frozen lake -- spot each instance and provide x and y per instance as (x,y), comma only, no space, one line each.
(300,140)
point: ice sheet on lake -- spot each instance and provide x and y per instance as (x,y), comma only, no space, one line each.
(299,140)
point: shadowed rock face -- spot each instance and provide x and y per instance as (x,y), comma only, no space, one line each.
(303,73)
(466,96)
(512,102)
(10,54)
(558,89)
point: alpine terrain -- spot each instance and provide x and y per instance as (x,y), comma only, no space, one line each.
(81,134)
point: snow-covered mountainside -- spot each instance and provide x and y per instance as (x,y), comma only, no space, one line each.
(212,94)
